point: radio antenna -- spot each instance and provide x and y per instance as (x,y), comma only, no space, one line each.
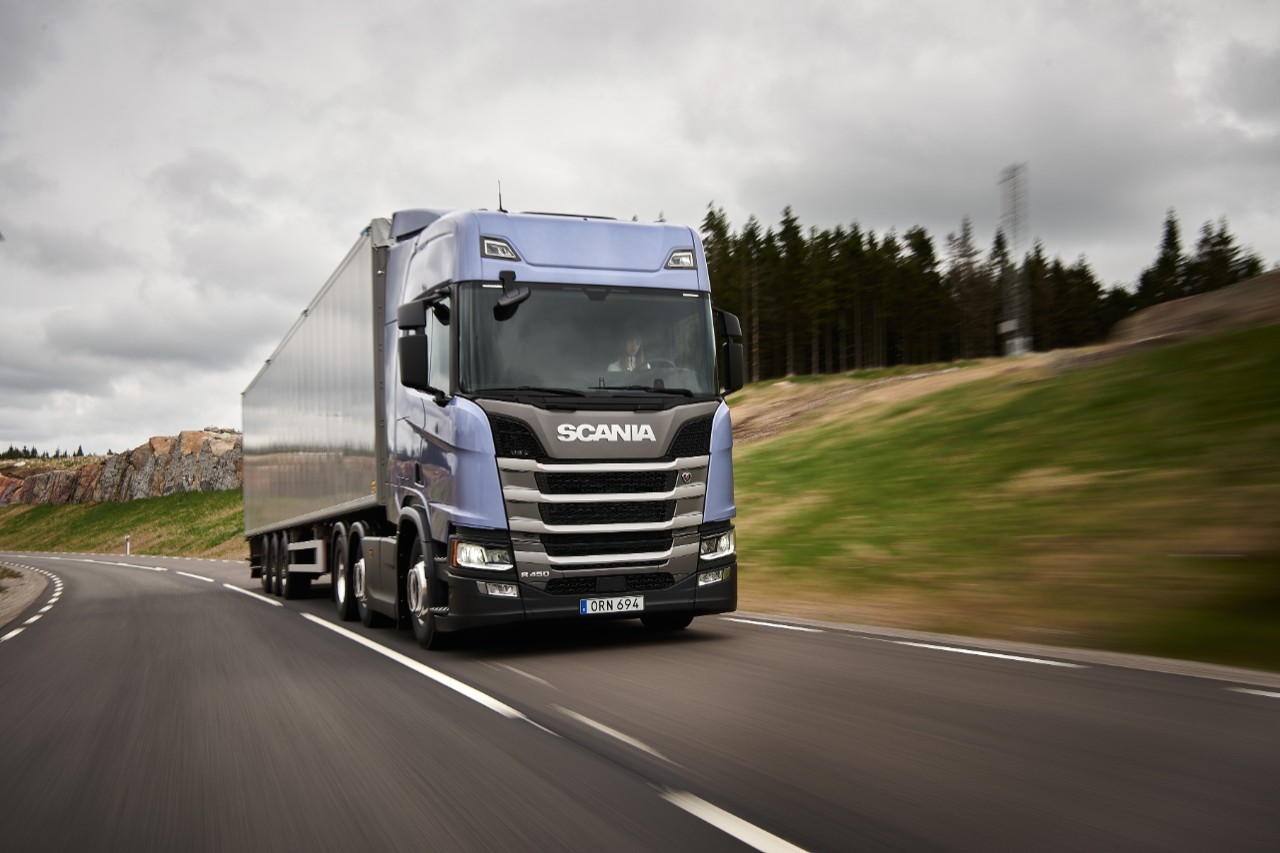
(501,209)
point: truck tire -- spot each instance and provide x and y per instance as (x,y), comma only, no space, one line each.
(268,548)
(277,565)
(343,596)
(666,621)
(417,595)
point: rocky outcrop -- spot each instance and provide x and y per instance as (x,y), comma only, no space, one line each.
(194,461)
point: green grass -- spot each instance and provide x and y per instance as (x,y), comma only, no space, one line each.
(1060,509)
(189,524)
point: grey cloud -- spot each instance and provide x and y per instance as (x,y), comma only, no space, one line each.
(63,252)
(1248,81)
(171,335)
(28,42)
(19,180)
(206,185)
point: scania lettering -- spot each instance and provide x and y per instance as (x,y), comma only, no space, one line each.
(606,432)
(485,418)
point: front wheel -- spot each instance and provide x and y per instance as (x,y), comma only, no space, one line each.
(417,593)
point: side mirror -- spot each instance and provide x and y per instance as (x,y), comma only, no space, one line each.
(731,372)
(732,376)
(412,353)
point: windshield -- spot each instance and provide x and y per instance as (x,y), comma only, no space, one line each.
(587,340)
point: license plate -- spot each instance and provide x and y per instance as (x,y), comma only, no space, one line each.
(619,604)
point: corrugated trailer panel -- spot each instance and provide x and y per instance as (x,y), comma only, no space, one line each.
(311,443)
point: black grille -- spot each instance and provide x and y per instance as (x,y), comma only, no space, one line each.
(656,580)
(608,482)
(627,512)
(591,544)
(571,586)
(512,438)
(693,439)
(634,583)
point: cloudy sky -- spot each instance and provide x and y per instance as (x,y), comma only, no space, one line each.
(177,179)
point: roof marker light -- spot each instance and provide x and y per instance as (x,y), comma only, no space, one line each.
(681,259)
(498,249)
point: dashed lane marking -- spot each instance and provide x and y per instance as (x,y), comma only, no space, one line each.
(57,594)
(614,733)
(1270,694)
(197,577)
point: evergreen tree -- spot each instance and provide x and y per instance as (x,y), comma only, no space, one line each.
(1218,262)
(1163,279)
(969,286)
(792,251)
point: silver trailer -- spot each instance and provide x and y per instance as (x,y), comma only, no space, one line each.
(314,434)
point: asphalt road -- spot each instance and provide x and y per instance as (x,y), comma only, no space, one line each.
(152,706)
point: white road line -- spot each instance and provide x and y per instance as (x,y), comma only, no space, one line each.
(528,675)
(197,577)
(47,607)
(989,654)
(730,824)
(261,598)
(614,733)
(1269,694)
(9,636)
(772,625)
(33,619)
(422,669)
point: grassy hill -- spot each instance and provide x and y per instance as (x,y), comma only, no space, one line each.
(193,524)
(1132,505)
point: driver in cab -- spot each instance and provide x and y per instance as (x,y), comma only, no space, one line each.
(632,357)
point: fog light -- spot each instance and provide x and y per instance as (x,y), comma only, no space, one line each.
(472,555)
(714,576)
(502,590)
(719,545)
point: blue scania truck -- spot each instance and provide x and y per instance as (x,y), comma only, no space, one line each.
(486,417)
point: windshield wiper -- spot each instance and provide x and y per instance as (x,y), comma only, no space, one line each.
(533,389)
(683,392)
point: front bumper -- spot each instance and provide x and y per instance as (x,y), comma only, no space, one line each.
(470,607)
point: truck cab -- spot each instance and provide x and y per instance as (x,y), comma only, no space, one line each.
(551,438)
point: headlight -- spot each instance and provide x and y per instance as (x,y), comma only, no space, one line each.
(719,545)
(472,555)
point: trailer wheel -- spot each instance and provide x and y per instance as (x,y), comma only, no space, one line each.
(268,555)
(343,596)
(277,564)
(666,621)
(417,594)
